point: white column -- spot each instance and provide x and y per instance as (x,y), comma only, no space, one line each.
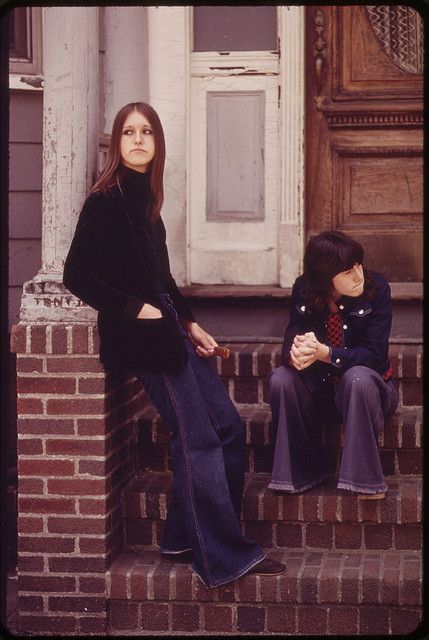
(168,79)
(291,227)
(126,59)
(70,149)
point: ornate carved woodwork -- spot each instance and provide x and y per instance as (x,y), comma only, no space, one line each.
(364,119)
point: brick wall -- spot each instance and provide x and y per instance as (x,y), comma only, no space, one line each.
(76,450)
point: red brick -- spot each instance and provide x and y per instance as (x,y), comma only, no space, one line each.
(123,614)
(93,626)
(92,585)
(51,624)
(38,339)
(312,620)
(30,486)
(342,621)
(374,620)
(77,603)
(18,338)
(349,584)
(79,447)
(48,426)
(46,468)
(409,361)
(29,446)
(77,524)
(246,391)
(31,564)
(250,619)
(30,525)
(46,505)
(29,364)
(408,536)
(46,385)
(28,406)
(308,582)
(154,616)
(262,532)
(76,487)
(59,339)
(329,508)
(76,364)
(76,565)
(95,339)
(91,426)
(412,393)
(329,580)
(73,406)
(289,535)
(371,580)
(378,536)
(217,618)
(92,507)
(389,586)
(185,617)
(404,620)
(310,508)
(348,536)
(47,584)
(42,544)
(80,338)
(319,535)
(92,545)
(282,619)
(92,385)
(410,461)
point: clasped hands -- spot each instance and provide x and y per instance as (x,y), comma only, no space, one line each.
(306,349)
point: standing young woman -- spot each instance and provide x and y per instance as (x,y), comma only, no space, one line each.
(336,367)
(118,263)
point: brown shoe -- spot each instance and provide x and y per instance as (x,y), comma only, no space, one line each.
(268,567)
(371,496)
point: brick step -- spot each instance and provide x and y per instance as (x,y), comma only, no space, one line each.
(321,592)
(321,517)
(400,442)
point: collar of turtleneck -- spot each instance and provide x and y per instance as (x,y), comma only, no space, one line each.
(135,183)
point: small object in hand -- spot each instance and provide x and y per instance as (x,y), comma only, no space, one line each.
(223,352)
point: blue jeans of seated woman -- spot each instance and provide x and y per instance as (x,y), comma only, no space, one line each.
(300,404)
(207,453)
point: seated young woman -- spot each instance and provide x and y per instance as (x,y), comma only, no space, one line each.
(335,368)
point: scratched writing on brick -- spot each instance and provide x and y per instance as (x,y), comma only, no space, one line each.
(59,301)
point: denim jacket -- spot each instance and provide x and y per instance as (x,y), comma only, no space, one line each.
(366,326)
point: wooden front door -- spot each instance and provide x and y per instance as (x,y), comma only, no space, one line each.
(364,137)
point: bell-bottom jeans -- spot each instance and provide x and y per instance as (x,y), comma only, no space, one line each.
(300,404)
(207,453)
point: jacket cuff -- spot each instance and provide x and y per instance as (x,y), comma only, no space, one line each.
(337,357)
(132,308)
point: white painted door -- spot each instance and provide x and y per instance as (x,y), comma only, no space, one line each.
(234,153)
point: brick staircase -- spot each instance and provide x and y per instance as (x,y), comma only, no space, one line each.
(352,567)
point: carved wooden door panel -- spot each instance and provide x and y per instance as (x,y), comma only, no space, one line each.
(364,136)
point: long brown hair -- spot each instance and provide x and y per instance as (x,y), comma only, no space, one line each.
(113,172)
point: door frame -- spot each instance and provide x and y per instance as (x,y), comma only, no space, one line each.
(169,44)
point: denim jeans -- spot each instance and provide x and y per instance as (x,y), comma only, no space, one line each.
(207,454)
(300,404)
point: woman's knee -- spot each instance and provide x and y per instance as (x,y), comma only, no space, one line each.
(279,380)
(360,376)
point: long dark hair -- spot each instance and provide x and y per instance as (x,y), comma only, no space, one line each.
(114,170)
(327,255)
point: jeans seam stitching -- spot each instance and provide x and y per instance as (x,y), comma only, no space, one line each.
(185,451)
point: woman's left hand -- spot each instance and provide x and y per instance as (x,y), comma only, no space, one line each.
(204,342)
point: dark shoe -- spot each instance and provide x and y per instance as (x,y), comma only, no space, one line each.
(268,567)
(182,556)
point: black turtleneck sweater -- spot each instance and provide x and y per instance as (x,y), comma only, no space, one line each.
(118,259)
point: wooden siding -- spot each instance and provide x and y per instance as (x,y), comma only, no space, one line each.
(25,193)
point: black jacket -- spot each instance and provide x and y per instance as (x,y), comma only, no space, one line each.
(366,328)
(115,267)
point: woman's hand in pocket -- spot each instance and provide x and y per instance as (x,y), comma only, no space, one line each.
(148,312)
